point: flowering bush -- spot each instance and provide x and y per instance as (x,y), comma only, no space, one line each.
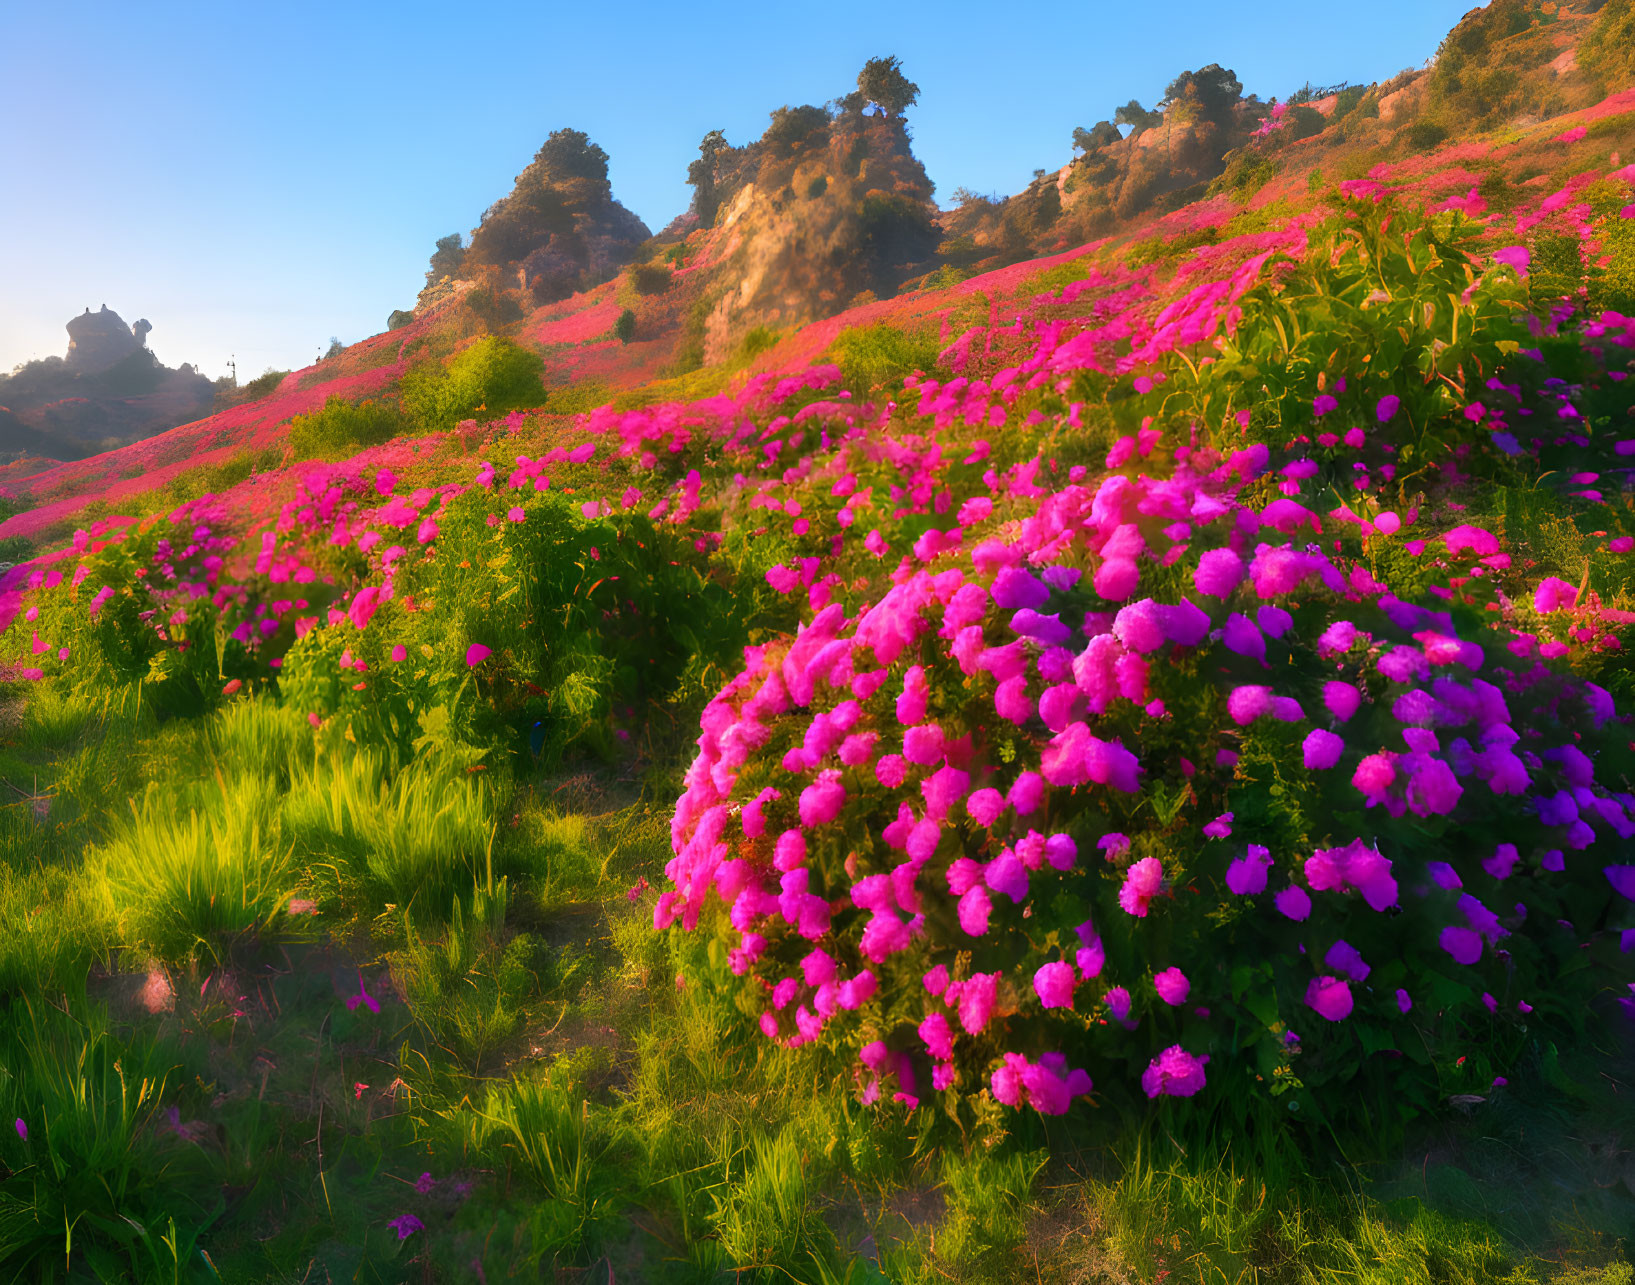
(1139,784)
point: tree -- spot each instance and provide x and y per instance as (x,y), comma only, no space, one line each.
(569,153)
(335,349)
(446,258)
(794,127)
(1102,134)
(624,329)
(1206,94)
(702,175)
(1135,116)
(882,83)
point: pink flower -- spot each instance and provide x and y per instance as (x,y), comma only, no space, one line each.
(821,801)
(1172,986)
(1141,884)
(1054,983)
(1552,595)
(976,1001)
(1219,572)
(1294,903)
(1329,997)
(938,1036)
(1118,1003)
(1174,1073)
(1514,256)
(400,652)
(974,909)
(476,654)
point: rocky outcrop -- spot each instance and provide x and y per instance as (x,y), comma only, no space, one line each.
(98,340)
(811,217)
(107,391)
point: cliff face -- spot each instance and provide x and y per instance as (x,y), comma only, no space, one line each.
(813,215)
(558,231)
(109,390)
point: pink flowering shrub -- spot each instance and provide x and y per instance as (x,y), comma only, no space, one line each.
(1024,827)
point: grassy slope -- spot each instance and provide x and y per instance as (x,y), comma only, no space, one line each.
(302,1121)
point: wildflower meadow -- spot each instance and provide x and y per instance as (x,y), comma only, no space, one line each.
(1116,768)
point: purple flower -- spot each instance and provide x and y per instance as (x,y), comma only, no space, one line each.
(1464,944)
(362,997)
(405,1225)
(1342,957)
(1322,404)
(424,1183)
(1220,827)
(1404,1000)
(1387,407)
(22,1130)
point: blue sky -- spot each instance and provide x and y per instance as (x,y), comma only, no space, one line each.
(256,178)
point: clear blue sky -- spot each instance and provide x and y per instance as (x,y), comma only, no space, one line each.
(256,178)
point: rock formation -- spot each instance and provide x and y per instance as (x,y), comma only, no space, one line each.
(98,340)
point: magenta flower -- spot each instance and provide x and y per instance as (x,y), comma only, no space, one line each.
(1514,256)
(1404,1001)
(22,1129)
(938,1036)
(976,1002)
(1322,749)
(1294,903)
(1552,595)
(476,654)
(1118,1003)
(1329,997)
(821,801)
(1247,874)
(1322,404)
(1219,572)
(424,1183)
(1174,1073)
(1172,986)
(1054,983)
(1141,884)
(400,652)
(362,997)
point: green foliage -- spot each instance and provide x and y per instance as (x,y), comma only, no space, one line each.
(794,129)
(879,355)
(262,385)
(569,153)
(1397,306)
(493,375)
(193,868)
(417,838)
(496,309)
(339,428)
(650,278)
(882,83)
(757,340)
(624,326)
(96,1185)
(1607,52)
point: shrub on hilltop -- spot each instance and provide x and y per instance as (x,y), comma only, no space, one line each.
(493,375)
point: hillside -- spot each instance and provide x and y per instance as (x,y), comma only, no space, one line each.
(1081,738)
